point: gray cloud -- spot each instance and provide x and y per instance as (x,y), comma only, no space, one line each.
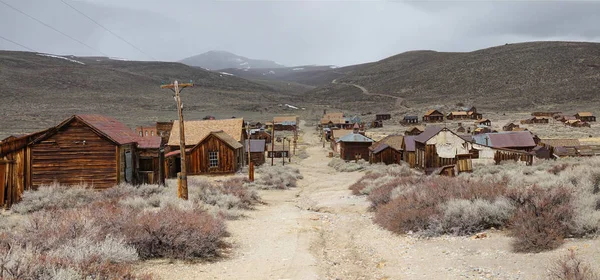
(294,32)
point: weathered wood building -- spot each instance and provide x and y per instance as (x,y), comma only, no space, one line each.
(383,116)
(95,150)
(410,119)
(536,120)
(150,156)
(437,147)
(458,115)
(408,151)
(387,150)
(515,140)
(285,123)
(261,134)
(510,127)
(354,146)
(415,130)
(433,116)
(485,122)
(585,116)
(257,151)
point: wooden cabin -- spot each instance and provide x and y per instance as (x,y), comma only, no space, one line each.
(84,149)
(473,114)
(376,124)
(415,130)
(14,168)
(216,153)
(387,150)
(485,122)
(410,119)
(577,123)
(333,120)
(457,115)
(536,120)
(383,116)
(257,151)
(408,151)
(510,127)
(354,146)
(585,116)
(545,114)
(197,130)
(278,150)
(433,116)
(150,156)
(261,135)
(437,147)
(285,123)
(461,129)
(542,152)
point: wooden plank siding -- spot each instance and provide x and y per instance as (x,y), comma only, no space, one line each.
(387,156)
(64,158)
(410,158)
(198,158)
(349,150)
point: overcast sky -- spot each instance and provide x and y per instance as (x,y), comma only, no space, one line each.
(290,32)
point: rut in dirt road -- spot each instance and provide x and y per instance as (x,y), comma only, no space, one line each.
(400,102)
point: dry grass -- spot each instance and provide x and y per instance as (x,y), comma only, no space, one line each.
(571,267)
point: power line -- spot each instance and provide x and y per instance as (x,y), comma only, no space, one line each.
(108,30)
(45,24)
(9,40)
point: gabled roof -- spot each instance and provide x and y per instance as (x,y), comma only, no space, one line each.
(223,137)
(513,139)
(429,132)
(354,138)
(378,148)
(430,112)
(458,113)
(285,120)
(198,130)
(107,127)
(585,114)
(335,118)
(339,133)
(419,128)
(256,145)
(392,141)
(482,120)
(409,143)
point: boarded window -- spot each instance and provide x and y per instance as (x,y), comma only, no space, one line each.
(213,159)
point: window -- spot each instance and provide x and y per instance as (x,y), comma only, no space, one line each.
(152,133)
(146,132)
(213,159)
(141,134)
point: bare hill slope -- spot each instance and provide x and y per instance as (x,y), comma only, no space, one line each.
(39,91)
(514,76)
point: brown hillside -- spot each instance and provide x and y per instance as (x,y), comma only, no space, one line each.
(514,76)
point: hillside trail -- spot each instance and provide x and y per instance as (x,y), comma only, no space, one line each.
(399,100)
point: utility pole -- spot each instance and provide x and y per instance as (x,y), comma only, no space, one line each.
(250,163)
(283,151)
(182,186)
(273,143)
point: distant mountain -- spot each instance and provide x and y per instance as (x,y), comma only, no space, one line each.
(215,60)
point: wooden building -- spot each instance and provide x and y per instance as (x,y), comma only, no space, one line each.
(410,119)
(257,151)
(387,150)
(510,126)
(577,123)
(376,124)
(383,116)
(354,146)
(586,116)
(473,114)
(548,114)
(196,130)
(333,120)
(408,151)
(163,130)
(285,123)
(536,120)
(433,116)
(437,147)
(461,129)
(278,150)
(485,122)
(515,140)
(415,130)
(150,159)
(84,149)
(458,115)
(261,134)
(542,152)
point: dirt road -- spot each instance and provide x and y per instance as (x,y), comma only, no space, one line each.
(399,100)
(320,231)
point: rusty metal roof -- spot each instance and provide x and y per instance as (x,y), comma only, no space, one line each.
(379,148)
(429,132)
(149,142)
(110,127)
(409,143)
(513,139)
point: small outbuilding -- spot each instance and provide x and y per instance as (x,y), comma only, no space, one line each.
(387,150)
(485,122)
(354,146)
(586,116)
(415,130)
(433,116)
(383,116)
(217,153)
(257,151)
(410,119)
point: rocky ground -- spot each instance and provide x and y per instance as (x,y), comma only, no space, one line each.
(321,231)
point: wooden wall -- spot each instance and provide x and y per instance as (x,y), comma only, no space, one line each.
(258,158)
(65,159)
(410,158)
(349,149)
(198,158)
(387,156)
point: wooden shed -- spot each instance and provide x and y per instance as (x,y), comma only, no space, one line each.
(585,116)
(257,151)
(383,116)
(387,150)
(536,120)
(433,116)
(485,122)
(458,115)
(437,147)
(261,135)
(354,146)
(408,151)
(577,123)
(415,130)
(510,126)
(285,123)
(150,160)
(216,153)
(278,151)
(84,149)
(410,119)
(473,114)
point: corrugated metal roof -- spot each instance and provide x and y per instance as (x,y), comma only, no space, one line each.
(256,145)
(513,139)
(111,128)
(355,137)
(409,143)
(429,132)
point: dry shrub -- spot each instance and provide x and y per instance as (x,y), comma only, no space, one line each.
(341,165)
(558,168)
(542,219)
(420,207)
(379,175)
(276,177)
(461,216)
(55,196)
(571,267)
